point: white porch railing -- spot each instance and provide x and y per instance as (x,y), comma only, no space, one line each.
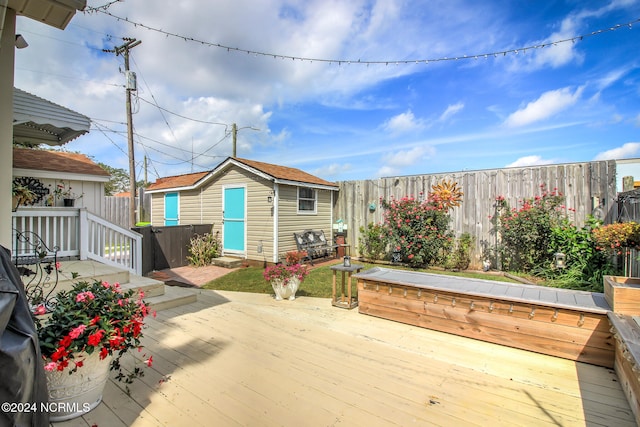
(78,233)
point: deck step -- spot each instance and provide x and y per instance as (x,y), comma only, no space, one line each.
(174,296)
(228,262)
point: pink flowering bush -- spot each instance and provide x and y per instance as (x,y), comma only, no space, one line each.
(418,230)
(91,317)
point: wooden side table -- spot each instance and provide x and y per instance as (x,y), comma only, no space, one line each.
(348,301)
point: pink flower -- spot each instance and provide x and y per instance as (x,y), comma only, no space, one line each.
(83,296)
(149,361)
(40,310)
(76,332)
(51,366)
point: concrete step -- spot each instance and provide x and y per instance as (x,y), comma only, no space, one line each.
(150,287)
(156,293)
(174,296)
(228,262)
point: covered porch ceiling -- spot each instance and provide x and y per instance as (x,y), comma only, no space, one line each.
(56,13)
(38,121)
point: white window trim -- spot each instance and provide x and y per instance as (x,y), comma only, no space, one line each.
(315,202)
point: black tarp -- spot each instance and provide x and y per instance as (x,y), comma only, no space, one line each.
(23,385)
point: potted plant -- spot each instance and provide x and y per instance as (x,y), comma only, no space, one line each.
(82,336)
(22,195)
(285,279)
(62,191)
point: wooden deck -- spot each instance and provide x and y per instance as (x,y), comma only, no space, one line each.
(244,359)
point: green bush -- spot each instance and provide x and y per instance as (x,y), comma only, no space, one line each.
(460,257)
(203,249)
(373,242)
(586,264)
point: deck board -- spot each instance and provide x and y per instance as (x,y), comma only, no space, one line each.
(234,359)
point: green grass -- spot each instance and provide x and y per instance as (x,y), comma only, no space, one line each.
(317,283)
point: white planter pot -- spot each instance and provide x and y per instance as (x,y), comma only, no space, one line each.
(71,396)
(287,291)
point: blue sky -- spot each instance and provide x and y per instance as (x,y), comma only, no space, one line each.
(383,95)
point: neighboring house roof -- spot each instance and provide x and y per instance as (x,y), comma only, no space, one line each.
(276,173)
(56,161)
(38,121)
(56,13)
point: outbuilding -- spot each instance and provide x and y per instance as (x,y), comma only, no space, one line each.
(255,207)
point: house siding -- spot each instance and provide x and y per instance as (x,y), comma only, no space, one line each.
(157,209)
(290,221)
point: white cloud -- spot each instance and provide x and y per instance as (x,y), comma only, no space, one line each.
(549,104)
(530,161)
(451,111)
(630,149)
(403,123)
(332,170)
(408,157)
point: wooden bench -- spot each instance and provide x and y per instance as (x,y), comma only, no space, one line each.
(315,244)
(559,322)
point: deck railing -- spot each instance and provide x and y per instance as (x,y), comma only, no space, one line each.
(79,233)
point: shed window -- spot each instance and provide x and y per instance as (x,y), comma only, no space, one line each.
(306,200)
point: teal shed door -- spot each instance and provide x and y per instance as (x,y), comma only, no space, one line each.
(233,217)
(171,209)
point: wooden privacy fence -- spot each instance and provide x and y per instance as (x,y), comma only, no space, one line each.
(116,210)
(589,188)
(168,247)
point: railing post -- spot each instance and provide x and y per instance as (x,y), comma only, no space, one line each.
(83,235)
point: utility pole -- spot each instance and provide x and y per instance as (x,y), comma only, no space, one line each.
(131,86)
(234,130)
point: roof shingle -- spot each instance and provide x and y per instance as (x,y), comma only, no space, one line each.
(55,161)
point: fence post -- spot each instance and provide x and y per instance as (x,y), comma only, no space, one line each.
(83,234)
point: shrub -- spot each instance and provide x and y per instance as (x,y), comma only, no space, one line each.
(418,230)
(373,242)
(525,232)
(585,263)
(616,237)
(460,257)
(294,257)
(203,249)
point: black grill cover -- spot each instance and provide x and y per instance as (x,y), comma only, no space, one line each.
(22,376)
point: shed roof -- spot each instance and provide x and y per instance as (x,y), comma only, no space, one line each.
(286,173)
(55,161)
(38,121)
(277,173)
(177,181)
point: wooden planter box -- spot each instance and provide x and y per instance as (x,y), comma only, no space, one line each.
(558,322)
(623,294)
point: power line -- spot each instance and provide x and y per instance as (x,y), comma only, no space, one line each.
(181,116)
(485,55)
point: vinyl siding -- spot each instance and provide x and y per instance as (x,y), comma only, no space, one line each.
(157,209)
(290,221)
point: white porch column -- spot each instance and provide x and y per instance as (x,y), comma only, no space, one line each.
(7,59)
